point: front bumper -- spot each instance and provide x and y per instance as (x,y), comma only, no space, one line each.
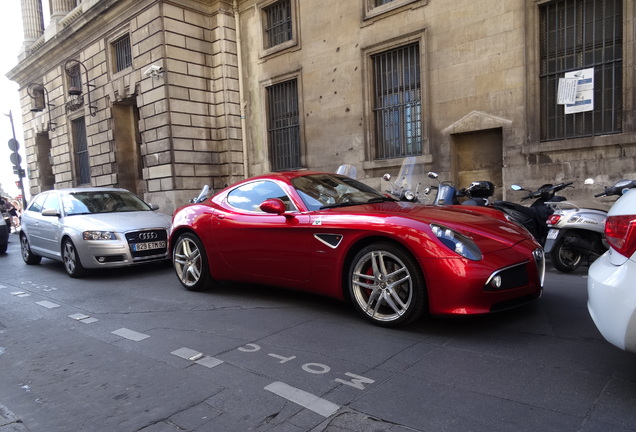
(472,289)
(125,251)
(612,301)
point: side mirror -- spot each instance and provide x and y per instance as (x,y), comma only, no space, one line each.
(153,206)
(273,206)
(51,212)
(589,181)
(433,175)
(387,177)
(516,187)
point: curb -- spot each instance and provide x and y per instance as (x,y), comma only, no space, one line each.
(9,422)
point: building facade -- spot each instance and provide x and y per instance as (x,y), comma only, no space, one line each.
(163,96)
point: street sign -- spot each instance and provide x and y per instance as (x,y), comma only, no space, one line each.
(14,145)
(16,159)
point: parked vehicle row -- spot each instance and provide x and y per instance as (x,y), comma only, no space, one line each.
(394,260)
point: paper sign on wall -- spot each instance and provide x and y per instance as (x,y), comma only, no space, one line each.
(584,91)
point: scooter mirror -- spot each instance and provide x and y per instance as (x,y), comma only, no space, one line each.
(432,175)
(589,181)
(516,187)
(387,177)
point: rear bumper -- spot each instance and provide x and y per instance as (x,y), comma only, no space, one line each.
(612,301)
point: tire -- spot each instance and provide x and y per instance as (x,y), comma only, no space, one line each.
(71,260)
(564,258)
(3,248)
(386,285)
(190,263)
(29,257)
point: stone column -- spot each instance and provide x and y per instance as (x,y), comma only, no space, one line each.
(32,20)
(60,8)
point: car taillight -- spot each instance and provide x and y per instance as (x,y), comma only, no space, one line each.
(553,219)
(620,232)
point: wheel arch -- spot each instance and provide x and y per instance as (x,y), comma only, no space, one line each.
(361,244)
(178,232)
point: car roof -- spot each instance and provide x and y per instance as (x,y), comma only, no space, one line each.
(87,189)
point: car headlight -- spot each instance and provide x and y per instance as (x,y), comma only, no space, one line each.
(98,235)
(457,242)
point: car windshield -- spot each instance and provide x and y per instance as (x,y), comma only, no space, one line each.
(91,202)
(319,191)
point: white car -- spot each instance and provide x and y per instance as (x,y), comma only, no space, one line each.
(611,283)
(89,228)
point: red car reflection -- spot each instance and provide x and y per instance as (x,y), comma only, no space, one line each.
(333,235)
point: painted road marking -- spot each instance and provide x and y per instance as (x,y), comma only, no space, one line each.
(311,402)
(47,304)
(83,318)
(20,294)
(129,334)
(197,357)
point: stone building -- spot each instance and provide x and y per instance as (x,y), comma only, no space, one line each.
(162,96)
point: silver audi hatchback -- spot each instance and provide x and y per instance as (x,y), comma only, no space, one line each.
(89,228)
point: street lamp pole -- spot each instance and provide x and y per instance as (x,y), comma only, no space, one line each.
(14,148)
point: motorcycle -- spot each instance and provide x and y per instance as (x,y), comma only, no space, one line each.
(447,194)
(577,234)
(202,195)
(403,189)
(534,218)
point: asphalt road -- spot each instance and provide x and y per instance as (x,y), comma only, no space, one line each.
(130,350)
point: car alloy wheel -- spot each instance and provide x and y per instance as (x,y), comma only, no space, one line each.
(386,285)
(72,263)
(28,256)
(190,262)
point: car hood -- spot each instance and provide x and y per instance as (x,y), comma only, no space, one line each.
(490,232)
(119,221)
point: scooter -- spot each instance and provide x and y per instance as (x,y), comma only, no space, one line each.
(447,194)
(534,218)
(403,188)
(202,195)
(577,234)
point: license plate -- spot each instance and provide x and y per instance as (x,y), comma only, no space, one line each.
(553,234)
(149,245)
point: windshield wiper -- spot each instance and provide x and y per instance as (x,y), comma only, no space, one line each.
(345,204)
(380,199)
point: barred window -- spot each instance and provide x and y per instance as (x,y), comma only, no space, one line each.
(283,125)
(122,52)
(82,162)
(398,102)
(576,35)
(278,25)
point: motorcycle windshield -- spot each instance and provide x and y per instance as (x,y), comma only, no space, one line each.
(410,176)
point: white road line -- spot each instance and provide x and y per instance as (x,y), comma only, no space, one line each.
(311,402)
(83,318)
(20,294)
(209,362)
(197,357)
(129,334)
(47,304)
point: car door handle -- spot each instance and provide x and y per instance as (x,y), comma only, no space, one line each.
(220,216)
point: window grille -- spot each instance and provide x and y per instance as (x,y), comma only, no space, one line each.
(382,2)
(283,125)
(278,27)
(575,35)
(81,151)
(398,103)
(123,53)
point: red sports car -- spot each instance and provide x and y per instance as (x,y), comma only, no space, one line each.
(332,235)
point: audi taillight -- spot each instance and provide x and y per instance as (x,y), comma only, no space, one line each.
(553,219)
(620,232)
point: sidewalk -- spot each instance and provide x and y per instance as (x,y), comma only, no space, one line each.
(9,422)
